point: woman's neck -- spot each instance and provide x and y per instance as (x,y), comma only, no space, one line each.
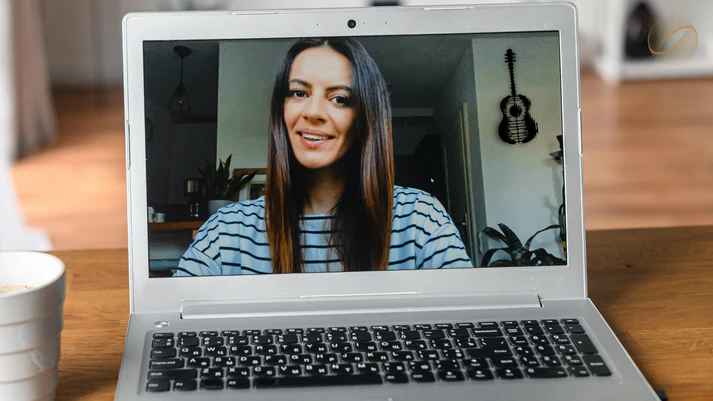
(324,189)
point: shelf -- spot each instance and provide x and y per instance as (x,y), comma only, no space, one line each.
(175,226)
(657,69)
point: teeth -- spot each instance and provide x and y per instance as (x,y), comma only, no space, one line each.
(313,138)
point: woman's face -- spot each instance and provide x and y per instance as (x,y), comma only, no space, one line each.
(318,109)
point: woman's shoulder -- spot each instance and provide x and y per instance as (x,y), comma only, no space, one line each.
(407,195)
(414,202)
(245,211)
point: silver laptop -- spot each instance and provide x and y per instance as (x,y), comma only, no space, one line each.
(360,204)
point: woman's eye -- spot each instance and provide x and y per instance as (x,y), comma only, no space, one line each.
(297,93)
(342,100)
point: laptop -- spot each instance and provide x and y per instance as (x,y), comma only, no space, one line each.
(360,204)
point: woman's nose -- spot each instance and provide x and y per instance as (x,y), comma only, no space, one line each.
(314,109)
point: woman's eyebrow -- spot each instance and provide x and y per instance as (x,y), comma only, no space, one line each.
(331,88)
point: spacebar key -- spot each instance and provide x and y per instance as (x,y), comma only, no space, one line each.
(304,381)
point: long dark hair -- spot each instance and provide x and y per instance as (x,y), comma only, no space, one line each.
(361,228)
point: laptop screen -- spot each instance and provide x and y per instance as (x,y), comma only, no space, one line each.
(354,154)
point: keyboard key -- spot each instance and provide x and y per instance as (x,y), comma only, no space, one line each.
(480,374)
(163,335)
(544,350)
(465,325)
(316,370)
(163,353)
(239,371)
(302,359)
(493,342)
(433,334)
(185,334)
(583,344)
(509,373)
(189,352)
(215,351)
(238,383)
(488,325)
(264,371)
(163,343)
(341,368)
(272,331)
(495,332)
(447,364)
(265,349)
(423,377)
(393,367)
(188,342)
(529,361)
(443,326)
(185,385)
(209,333)
(328,358)
(166,364)
(578,371)
(551,361)
(429,354)
(212,384)
(290,338)
(546,373)
(199,362)
(319,348)
(396,377)
(368,368)
(176,374)
(361,336)
(596,365)
(441,343)
(401,327)
(415,345)
(422,326)
(240,350)
(289,370)
(390,345)
(573,360)
(158,385)
(366,346)
(419,366)
(478,363)
(504,362)
(276,360)
(450,375)
(452,354)
(331,380)
(410,335)
(385,336)
(217,373)
(249,360)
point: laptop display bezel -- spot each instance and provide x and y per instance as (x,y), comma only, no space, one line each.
(168,294)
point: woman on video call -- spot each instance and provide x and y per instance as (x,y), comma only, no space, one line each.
(330,202)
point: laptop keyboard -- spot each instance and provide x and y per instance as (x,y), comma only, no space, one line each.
(334,356)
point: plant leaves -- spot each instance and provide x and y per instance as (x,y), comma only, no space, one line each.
(529,240)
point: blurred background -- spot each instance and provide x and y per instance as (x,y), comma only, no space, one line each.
(647,95)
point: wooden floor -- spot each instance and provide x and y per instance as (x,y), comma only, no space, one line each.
(648,162)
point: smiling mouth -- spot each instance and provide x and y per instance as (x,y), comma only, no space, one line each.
(314,137)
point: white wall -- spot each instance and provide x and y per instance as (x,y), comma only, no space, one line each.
(246,77)
(522,183)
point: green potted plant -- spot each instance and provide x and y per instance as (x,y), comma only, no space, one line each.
(518,254)
(221,187)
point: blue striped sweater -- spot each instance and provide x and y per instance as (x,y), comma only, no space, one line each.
(234,240)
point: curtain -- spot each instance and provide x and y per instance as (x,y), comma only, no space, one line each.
(18,96)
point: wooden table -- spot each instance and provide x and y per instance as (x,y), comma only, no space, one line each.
(654,286)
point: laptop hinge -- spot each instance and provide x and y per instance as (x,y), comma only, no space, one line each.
(354,304)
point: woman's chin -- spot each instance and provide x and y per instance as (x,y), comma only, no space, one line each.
(318,163)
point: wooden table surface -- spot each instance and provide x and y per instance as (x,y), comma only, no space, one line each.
(654,286)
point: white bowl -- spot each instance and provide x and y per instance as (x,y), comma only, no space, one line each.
(39,387)
(23,365)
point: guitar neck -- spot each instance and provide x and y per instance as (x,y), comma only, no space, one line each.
(511,67)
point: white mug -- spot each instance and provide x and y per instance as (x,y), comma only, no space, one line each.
(30,325)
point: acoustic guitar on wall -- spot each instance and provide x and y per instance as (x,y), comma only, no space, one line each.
(517,125)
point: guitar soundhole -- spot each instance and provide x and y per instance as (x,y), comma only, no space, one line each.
(515,110)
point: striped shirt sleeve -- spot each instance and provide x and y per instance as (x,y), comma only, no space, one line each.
(202,258)
(443,247)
